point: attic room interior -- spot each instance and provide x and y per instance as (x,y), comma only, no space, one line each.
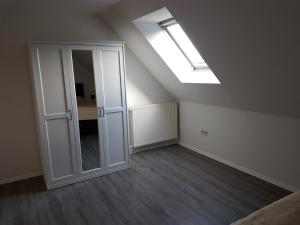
(149,112)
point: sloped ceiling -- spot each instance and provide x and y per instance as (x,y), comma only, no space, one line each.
(83,6)
(252,46)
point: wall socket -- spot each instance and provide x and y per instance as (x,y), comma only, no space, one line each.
(204,132)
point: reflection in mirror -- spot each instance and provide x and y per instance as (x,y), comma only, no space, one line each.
(87,108)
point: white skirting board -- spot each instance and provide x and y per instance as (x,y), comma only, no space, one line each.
(22,177)
(241,168)
(153,146)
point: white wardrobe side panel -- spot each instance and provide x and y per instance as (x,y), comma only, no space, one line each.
(54,92)
(113,77)
(60,149)
(52,75)
(115,138)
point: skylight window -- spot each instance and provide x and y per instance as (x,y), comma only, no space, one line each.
(169,40)
(183,42)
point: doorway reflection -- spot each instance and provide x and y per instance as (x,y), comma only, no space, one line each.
(87,108)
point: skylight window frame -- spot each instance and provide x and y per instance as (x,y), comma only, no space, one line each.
(164,26)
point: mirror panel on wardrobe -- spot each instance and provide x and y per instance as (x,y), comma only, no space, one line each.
(87,110)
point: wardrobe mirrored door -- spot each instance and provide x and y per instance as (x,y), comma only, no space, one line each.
(87,110)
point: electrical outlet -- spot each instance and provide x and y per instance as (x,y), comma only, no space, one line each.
(204,132)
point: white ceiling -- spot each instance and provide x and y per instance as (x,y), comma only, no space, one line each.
(83,6)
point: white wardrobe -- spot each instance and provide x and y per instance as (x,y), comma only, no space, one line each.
(81,109)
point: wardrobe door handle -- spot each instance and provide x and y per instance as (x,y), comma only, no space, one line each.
(70,114)
(102,113)
(98,111)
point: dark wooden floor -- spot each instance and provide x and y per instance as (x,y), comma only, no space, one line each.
(167,186)
(90,151)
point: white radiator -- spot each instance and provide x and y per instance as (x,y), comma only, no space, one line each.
(153,124)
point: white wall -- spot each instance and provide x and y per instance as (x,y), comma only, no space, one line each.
(19,155)
(266,144)
(251,46)
(142,88)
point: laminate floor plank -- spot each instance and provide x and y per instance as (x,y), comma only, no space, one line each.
(164,186)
